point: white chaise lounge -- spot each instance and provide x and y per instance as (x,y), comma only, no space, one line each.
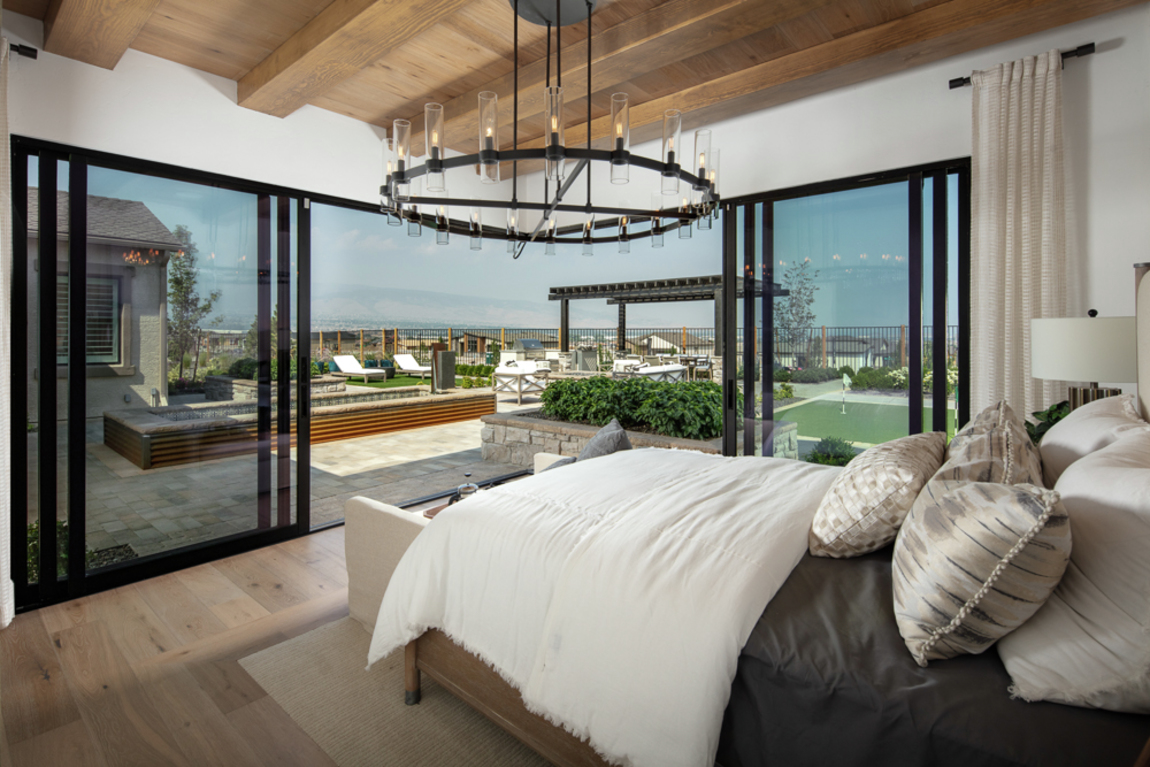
(405,363)
(349,366)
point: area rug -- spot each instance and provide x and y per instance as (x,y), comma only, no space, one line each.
(359,718)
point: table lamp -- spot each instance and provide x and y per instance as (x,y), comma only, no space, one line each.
(1084,349)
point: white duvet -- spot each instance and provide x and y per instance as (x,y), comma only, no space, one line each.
(615,594)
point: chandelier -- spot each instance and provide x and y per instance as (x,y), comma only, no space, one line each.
(682,196)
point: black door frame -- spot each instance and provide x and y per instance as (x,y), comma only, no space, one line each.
(757,212)
(274,280)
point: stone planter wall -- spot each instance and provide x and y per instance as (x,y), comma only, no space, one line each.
(229,389)
(516,438)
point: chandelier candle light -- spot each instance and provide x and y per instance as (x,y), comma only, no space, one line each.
(401,197)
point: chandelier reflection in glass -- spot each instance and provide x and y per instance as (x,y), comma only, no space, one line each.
(417,194)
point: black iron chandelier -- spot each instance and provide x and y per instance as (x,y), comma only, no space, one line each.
(684,196)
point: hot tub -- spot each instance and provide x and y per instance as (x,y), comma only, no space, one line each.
(167,436)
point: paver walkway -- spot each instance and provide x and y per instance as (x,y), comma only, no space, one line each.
(162,509)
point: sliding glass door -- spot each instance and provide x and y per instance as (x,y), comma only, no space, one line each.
(160,379)
(849,297)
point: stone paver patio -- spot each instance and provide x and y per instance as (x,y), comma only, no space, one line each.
(162,509)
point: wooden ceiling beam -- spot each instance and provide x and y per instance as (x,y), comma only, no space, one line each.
(935,33)
(96,32)
(660,36)
(344,38)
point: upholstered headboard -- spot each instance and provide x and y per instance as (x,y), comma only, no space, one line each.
(1142,310)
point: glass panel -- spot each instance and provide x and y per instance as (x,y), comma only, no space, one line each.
(171,454)
(384,300)
(951,337)
(840,336)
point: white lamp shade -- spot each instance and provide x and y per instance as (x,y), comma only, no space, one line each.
(1100,349)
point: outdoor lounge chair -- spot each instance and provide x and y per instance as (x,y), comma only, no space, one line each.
(672,373)
(349,367)
(522,378)
(406,363)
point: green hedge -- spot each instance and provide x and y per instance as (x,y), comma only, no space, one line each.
(688,409)
(474,370)
(879,378)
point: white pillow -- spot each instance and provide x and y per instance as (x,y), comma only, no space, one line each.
(1091,427)
(1089,645)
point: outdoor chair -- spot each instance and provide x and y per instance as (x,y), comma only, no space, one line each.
(405,363)
(671,373)
(349,367)
(520,378)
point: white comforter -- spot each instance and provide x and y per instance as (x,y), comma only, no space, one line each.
(615,594)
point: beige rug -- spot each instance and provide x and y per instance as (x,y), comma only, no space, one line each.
(359,718)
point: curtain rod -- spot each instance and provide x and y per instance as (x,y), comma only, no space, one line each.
(1082,50)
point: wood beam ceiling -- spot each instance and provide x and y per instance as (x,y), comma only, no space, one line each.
(344,38)
(96,32)
(937,32)
(663,35)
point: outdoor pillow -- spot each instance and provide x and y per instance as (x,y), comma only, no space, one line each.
(1090,644)
(607,440)
(869,499)
(1088,428)
(975,564)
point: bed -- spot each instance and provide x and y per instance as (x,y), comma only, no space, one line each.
(821,674)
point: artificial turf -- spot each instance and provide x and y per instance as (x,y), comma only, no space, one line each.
(864,422)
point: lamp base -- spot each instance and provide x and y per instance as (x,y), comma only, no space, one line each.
(1080,395)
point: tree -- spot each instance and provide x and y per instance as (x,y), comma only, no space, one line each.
(186,310)
(252,339)
(794,314)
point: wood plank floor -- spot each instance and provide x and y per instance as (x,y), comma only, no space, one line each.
(148,674)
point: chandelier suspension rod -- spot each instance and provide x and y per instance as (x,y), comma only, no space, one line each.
(550,207)
(515,113)
(588,100)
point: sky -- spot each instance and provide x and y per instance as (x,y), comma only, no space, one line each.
(856,240)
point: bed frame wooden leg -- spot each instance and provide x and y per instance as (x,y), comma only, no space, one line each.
(411,680)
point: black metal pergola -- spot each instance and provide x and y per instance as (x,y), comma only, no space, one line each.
(707,288)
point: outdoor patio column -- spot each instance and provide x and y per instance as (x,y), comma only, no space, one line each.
(621,331)
(564,325)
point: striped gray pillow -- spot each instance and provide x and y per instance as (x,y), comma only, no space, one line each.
(993,447)
(974,563)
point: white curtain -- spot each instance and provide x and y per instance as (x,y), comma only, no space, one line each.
(7,598)
(1019,238)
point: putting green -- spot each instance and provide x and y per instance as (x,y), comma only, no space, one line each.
(864,422)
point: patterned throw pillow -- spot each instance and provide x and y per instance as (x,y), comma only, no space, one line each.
(868,501)
(973,564)
(993,447)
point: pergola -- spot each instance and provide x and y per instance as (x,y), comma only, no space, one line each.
(708,288)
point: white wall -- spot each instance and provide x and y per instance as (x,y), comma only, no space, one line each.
(154,109)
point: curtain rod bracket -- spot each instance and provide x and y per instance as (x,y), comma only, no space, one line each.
(1079,52)
(24,50)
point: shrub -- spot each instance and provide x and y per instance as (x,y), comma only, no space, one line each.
(243,368)
(689,409)
(782,375)
(814,375)
(832,451)
(466,383)
(879,378)
(316,370)
(1045,419)
(846,370)
(785,391)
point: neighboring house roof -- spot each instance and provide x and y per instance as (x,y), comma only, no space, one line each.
(676,339)
(126,222)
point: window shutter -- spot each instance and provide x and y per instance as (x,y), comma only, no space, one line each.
(103,320)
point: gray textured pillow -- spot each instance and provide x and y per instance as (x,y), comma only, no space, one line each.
(607,440)
(868,501)
(974,564)
(993,447)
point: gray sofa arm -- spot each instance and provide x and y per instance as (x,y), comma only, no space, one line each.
(375,537)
